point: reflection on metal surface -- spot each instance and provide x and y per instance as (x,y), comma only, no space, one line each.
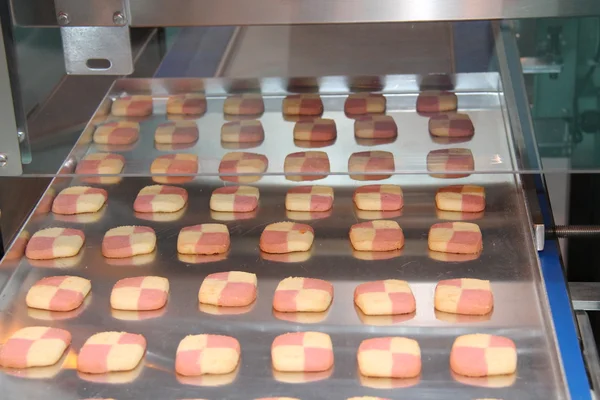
(498,381)
(301,317)
(114,378)
(46,315)
(216,310)
(209,380)
(301,377)
(137,315)
(388,383)
(383,320)
(459,318)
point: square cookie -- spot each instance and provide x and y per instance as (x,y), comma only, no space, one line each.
(173,164)
(364,103)
(452,160)
(244,131)
(314,163)
(234,199)
(79,200)
(303,295)
(228,289)
(302,352)
(244,104)
(436,101)
(111,352)
(132,106)
(375,127)
(463,198)
(378,235)
(58,293)
(128,241)
(186,104)
(309,198)
(160,198)
(455,237)
(240,162)
(453,125)
(51,243)
(464,296)
(117,132)
(203,239)
(142,293)
(378,198)
(315,130)
(286,237)
(302,104)
(479,355)
(176,132)
(389,357)
(207,354)
(101,164)
(387,297)
(34,346)
(378,163)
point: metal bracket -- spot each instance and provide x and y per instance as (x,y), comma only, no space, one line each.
(91,12)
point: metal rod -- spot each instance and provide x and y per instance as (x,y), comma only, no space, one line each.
(569,231)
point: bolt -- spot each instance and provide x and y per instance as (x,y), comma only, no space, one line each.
(63,18)
(21,136)
(3,160)
(119,18)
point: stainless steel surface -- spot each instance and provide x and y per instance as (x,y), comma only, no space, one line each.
(585,295)
(90,12)
(590,350)
(540,237)
(539,65)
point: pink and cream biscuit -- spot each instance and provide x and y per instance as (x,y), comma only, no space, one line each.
(303,295)
(478,355)
(244,131)
(378,164)
(315,130)
(455,237)
(313,163)
(378,235)
(378,198)
(436,102)
(463,198)
(389,357)
(51,243)
(203,239)
(375,127)
(207,354)
(454,160)
(128,241)
(309,198)
(101,164)
(228,289)
(245,163)
(464,296)
(34,346)
(176,132)
(186,104)
(286,237)
(387,297)
(159,199)
(244,104)
(452,125)
(302,352)
(132,106)
(79,200)
(58,293)
(302,104)
(237,199)
(364,103)
(111,352)
(117,132)
(142,293)
(173,164)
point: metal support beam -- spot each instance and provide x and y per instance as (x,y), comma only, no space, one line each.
(585,295)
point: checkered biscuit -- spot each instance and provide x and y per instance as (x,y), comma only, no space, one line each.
(47,315)
(479,355)
(160,198)
(117,132)
(234,199)
(51,243)
(302,104)
(186,104)
(315,130)
(286,237)
(128,241)
(244,131)
(389,357)
(101,164)
(454,160)
(364,103)
(309,198)
(228,289)
(453,125)
(464,296)
(176,132)
(173,164)
(111,352)
(303,295)
(79,200)
(378,198)
(378,235)
(371,161)
(142,293)
(302,352)
(34,346)
(207,354)
(132,106)
(58,293)
(240,162)
(203,239)
(244,104)
(466,198)
(455,237)
(310,162)
(436,101)
(387,297)
(375,127)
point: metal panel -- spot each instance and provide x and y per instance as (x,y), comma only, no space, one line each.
(91,12)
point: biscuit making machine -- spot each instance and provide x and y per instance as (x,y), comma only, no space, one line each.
(387,79)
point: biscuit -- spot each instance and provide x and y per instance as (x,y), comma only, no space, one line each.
(34,346)
(464,296)
(101,164)
(238,199)
(315,130)
(240,162)
(309,198)
(286,237)
(453,125)
(313,163)
(381,162)
(142,293)
(389,357)
(244,104)
(173,164)
(364,103)
(160,199)
(378,198)
(387,297)
(244,131)
(186,104)
(455,237)
(436,101)
(207,354)
(375,127)
(452,160)
(478,355)
(79,200)
(302,104)
(302,352)
(203,239)
(176,132)
(117,132)
(47,315)
(132,106)
(111,352)
(303,295)
(378,235)
(58,293)
(51,243)
(128,241)
(465,198)
(113,378)
(228,289)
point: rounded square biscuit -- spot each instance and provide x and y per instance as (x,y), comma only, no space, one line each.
(117,132)
(455,237)
(375,127)
(295,294)
(111,352)
(389,357)
(364,103)
(228,289)
(435,101)
(452,125)
(315,130)
(378,198)
(244,104)
(302,352)
(34,346)
(128,241)
(245,163)
(244,131)
(101,164)
(454,161)
(186,104)
(160,199)
(237,199)
(309,198)
(207,354)
(464,296)
(51,243)
(378,235)
(141,293)
(58,293)
(302,104)
(132,106)
(286,237)
(173,164)
(386,297)
(79,200)
(203,239)
(176,132)
(479,355)
(464,198)
(313,163)
(379,165)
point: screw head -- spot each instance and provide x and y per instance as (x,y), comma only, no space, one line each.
(21,136)
(3,160)
(119,18)
(63,18)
